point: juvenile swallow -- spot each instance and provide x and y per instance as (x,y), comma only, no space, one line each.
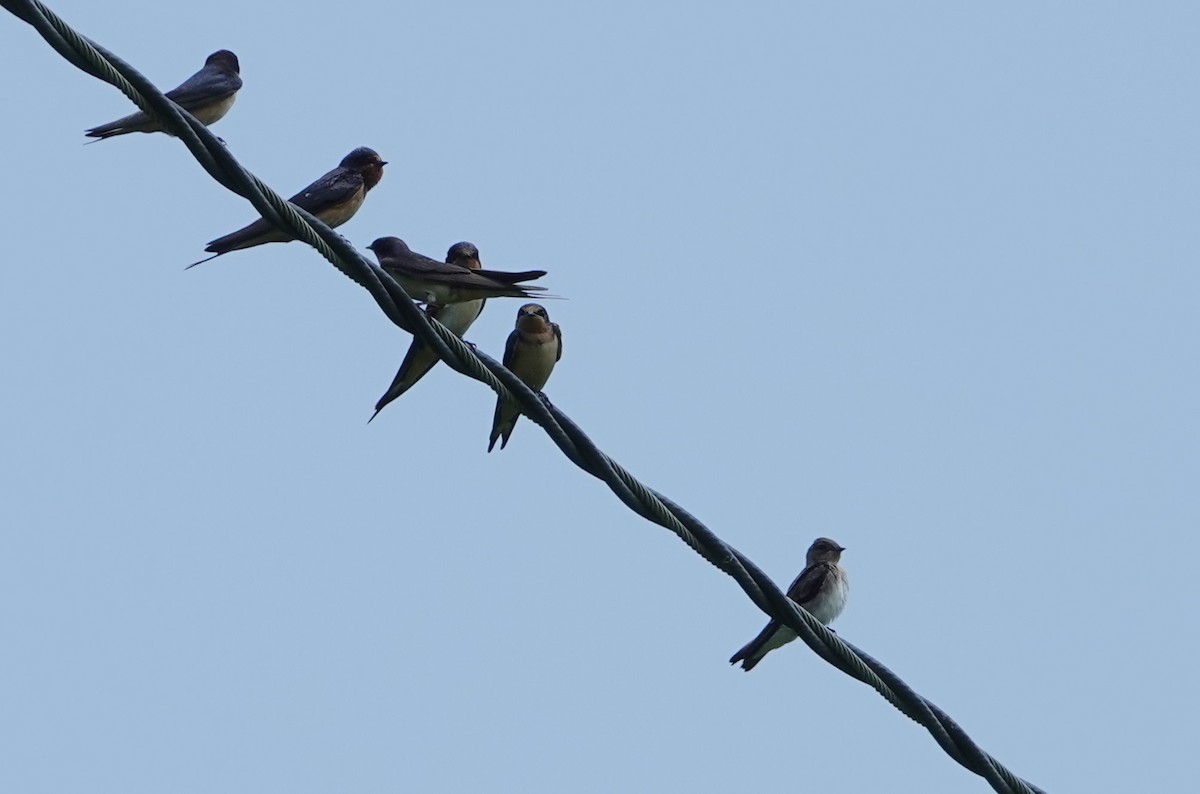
(533,348)
(208,95)
(334,198)
(456,316)
(820,588)
(430,281)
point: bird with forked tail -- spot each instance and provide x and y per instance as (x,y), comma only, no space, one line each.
(208,95)
(334,198)
(533,348)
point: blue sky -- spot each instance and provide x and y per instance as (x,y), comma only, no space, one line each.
(922,279)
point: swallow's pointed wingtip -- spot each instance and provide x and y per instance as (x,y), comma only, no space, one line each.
(202,261)
(103,132)
(384,402)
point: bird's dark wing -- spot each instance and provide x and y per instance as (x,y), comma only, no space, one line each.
(235,240)
(558,336)
(505,277)
(510,349)
(205,87)
(124,124)
(808,583)
(333,189)
(417,266)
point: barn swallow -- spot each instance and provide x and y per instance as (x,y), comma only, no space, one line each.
(430,281)
(820,588)
(208,95)
(456,316)
(533,348)
(334,198)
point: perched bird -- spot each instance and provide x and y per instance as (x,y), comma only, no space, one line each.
(430,281)
(820,588)
(334,198)
(533,348)
(455,316)
(208,95)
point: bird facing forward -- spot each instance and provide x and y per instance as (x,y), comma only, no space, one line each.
(533,348)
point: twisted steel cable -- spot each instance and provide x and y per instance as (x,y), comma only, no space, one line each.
(213,156)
